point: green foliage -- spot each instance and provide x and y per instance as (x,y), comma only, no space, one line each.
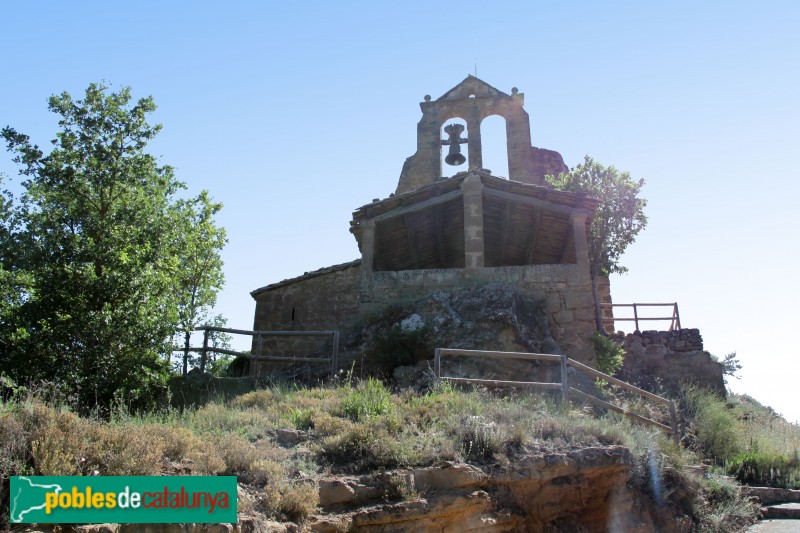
(609,353)
(480,439)
(618,219)
(723,506)
(765,468)
(301,418)
(715,425)
(730,365)
(199,273)
(99,250)
(368,398)
(749,440)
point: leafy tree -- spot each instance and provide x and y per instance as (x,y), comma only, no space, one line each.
(200,270)
(730,365)
(14,282)
(100,236)
(618,219)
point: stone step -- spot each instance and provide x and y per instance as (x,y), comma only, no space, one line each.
(783,510)
(769,495)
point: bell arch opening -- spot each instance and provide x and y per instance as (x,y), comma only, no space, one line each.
(454,152)
(494,145)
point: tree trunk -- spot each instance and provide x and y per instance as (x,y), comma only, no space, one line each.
(186,353)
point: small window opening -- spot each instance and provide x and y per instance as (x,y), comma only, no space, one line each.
(292,314)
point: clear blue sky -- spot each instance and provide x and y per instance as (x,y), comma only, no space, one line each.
(294,114)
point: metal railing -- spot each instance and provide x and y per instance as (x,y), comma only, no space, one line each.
(674,320)
(563,386)
(332,359)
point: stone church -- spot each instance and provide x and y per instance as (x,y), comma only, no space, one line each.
(444,233)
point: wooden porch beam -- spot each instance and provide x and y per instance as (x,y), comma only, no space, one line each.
(425,204)
(528,200)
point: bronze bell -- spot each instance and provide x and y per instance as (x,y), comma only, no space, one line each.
(454,156)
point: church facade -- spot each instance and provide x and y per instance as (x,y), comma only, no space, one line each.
(438,233)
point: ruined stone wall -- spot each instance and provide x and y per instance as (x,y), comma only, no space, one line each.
(604,294)
(670,359)
(655,342)
(330,300)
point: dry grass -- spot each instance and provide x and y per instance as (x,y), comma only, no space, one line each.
(350,428)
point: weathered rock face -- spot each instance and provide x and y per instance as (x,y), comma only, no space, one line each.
(670,359)
(492,317)
(588,490)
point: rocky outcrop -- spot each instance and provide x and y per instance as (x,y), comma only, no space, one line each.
(491,317)
(586,490)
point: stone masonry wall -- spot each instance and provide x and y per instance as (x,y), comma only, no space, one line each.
(682,340)
(568,304)
(316,301)
(329,299)
(669,359)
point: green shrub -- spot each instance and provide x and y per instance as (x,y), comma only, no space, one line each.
(480,439)
(367,445)
(717,429)
(609,353)
(368,398)
(723,506)
(301,418)
(765,469)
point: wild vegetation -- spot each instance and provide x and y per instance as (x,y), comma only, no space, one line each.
(745,439)
(354,427)
(101,258)
(618,220)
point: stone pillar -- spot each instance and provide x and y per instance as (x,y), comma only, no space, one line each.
(475,152)
(367,257)
(472,188)
(518,144)
(578,220)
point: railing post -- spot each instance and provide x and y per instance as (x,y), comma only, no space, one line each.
(205,349)
(564,381)
(636,318)
(677,317)
(437,363)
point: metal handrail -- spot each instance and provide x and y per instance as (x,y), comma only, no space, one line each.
(675,319)
(566,390)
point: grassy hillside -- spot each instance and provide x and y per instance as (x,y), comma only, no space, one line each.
(280,440)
